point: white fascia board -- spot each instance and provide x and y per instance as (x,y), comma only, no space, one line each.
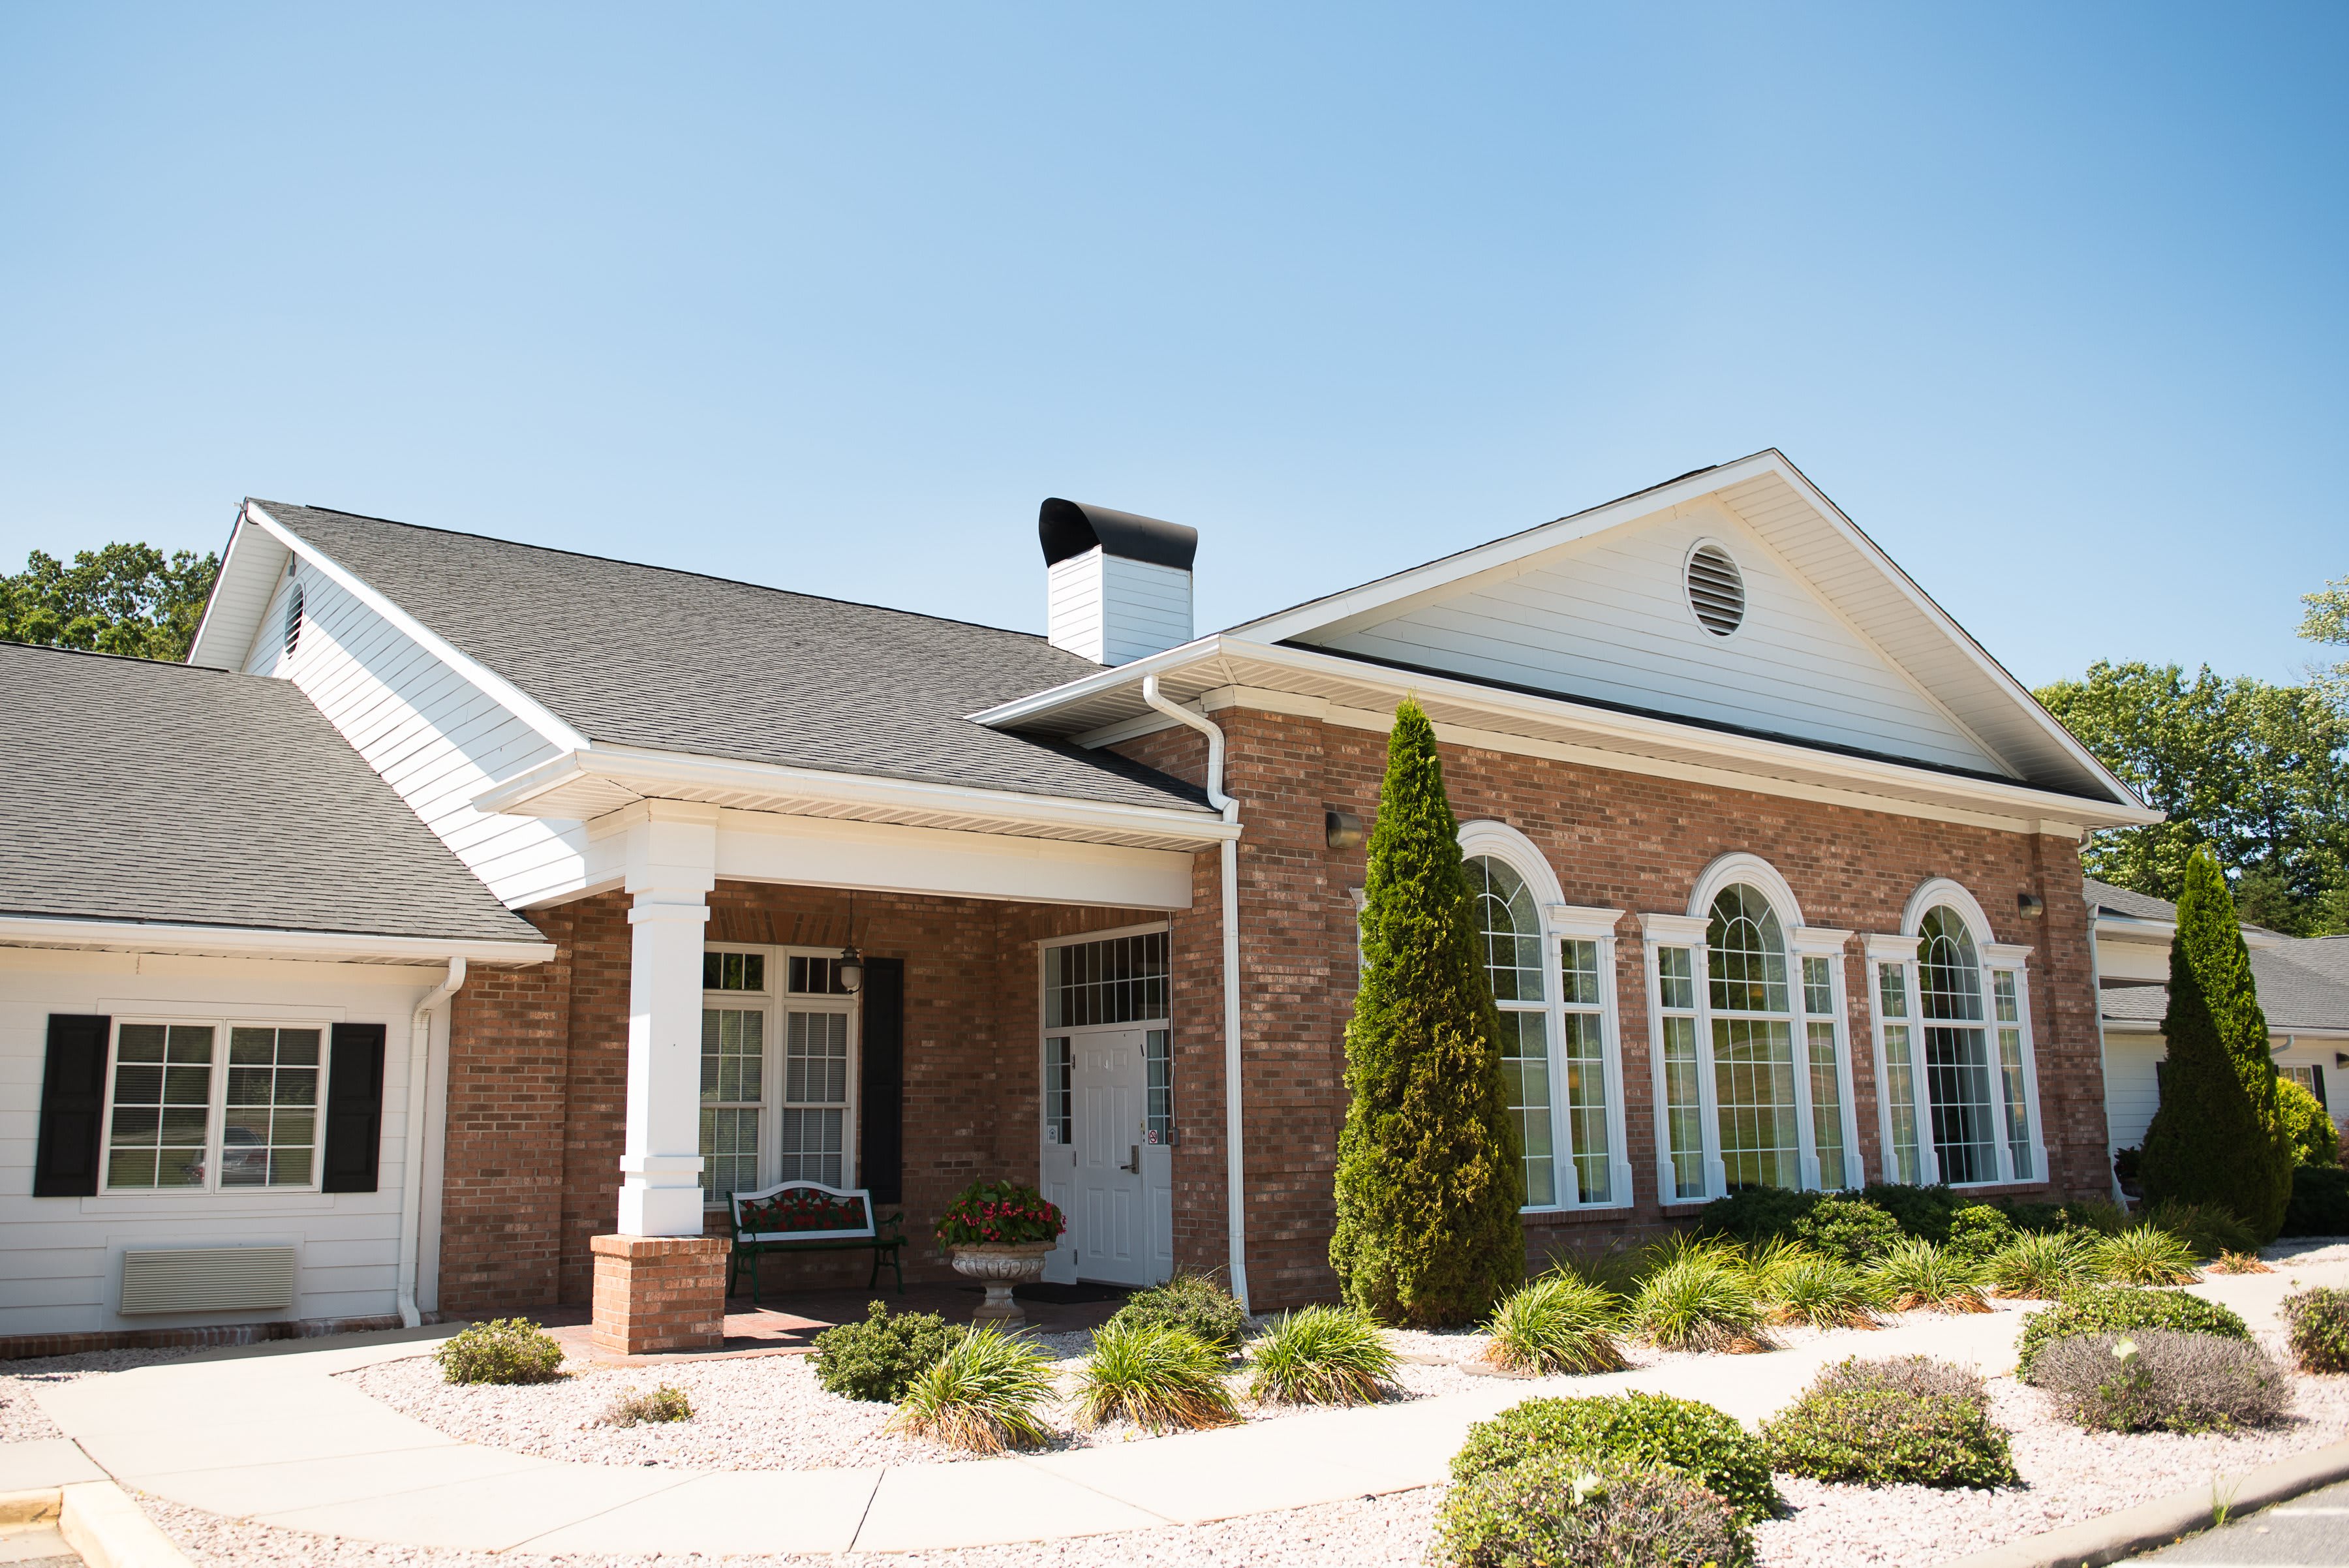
(648,772)
(256,941)
(496,687)
(221,642)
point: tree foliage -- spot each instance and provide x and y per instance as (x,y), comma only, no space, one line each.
(2327,622)
(2218,1137)
(2257,773)
(130,599)
(1429,1167)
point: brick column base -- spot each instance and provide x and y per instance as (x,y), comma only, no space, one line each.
(659,1292)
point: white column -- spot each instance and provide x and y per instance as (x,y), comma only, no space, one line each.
(672,859)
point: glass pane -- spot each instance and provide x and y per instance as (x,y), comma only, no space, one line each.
(1818,988)
(297,1047)
(1892,987)
(1957,1083)
(1754,1096)
(1058,1066)
(2008,1003)
(1508,930)
(1827,1107)
(1747,953)
(246,1046)
(812,1146)
(1683,1110)
(140,1042)
(1900,1101)
(190,1042)
(815,1058)
(730,1151)
(1586,1106)
(1158,1062)
(1950,973)
(1119,980)
(161,1105)
(1578,968)
(1525,1067)
(1676,978)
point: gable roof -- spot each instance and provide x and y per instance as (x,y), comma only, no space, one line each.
(167,794)
(2304,983)
(2109,899)
(677,662)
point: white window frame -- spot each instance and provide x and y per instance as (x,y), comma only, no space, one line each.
(1559,921)
(216,1106)
(1690,930)
(775,1002)
(1046,1033)
(1899,953)
(1996,957)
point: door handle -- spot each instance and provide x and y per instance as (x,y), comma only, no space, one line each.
(1132,1166)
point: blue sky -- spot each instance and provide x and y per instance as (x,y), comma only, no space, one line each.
(2051,300)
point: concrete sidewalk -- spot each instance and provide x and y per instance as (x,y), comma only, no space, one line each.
(279,1440)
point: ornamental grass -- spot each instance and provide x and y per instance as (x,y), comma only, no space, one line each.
(1918,1275)
(982,1395)
(2241,1264)
(1800,1286)
(1154,1376)
(1700,1297)
(2040,1265)
(1556,1324)
(1320,1355)
(2144,1255)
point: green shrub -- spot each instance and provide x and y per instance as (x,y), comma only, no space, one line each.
(2319,1322)
(1320,1355)
(2205,1228)
(1556,1324)
(1979,1230)
(1430,1171)
(1154,1376)
(1848,1227)
(2040,1264)
(2101,1215)
(2036,1218)
(875,1360)
(982,1395)
(1916,1273)
(1917,1377)
(1755,1215)
(2306,1126)
(1924,1213)
(2320,1202)
(1700,1298)
(1196,1303)
(2156,1381)
(1616,1268)
(638,1407)
(1884,1436)
(2144,1255)
(1650,1429)
(1818,1290)
(2120,1310)
(503,1350)
(1564,1510)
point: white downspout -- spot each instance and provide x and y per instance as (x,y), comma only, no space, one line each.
(1235,1164)
(2104,1061)
(411,1165)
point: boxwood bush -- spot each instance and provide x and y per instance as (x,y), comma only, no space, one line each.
(1563,1511)
(875,1359)
(503,1350)
(2319,1322)
(1196,1303)
(1889,1436)
(1924,1213)
(1852,1228)
(1979,1230)
(1648,1430)
(2156,1381)
(2121,1310)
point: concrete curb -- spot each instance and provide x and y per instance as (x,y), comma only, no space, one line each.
(2096,1541)
(30,1507)
(99,1520)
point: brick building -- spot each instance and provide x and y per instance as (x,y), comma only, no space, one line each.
(1778,872)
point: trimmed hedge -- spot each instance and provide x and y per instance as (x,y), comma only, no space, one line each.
(1852,1228)
(1648,1430)
(2121,1310)
(502,1350)
(2319,1322)
(1885,1436)
(1196,1303)
(1562,1511)
(875,1360)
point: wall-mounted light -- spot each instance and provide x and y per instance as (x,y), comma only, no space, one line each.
(2031,906)
(1343,829)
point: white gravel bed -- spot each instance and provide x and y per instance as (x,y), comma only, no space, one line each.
(21,1420)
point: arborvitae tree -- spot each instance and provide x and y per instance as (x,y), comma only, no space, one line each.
(2216,1137)
(1430,1172)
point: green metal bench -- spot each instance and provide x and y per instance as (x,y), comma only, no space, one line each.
(810,1217)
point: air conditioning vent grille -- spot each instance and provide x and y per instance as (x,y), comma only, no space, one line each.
(1716,590)
(207,1279)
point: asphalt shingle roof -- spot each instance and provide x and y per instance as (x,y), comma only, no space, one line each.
(137,791)
(2303,981)
(645,656)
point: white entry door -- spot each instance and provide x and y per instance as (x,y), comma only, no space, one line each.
(1100,1165)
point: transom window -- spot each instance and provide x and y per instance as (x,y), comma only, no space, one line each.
(1117,979)
(176,1119)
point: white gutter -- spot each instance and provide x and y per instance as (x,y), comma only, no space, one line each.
(411,1165)
(1234,1163)
(259,942)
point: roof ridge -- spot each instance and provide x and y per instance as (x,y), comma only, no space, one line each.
(122,658)
(652,567)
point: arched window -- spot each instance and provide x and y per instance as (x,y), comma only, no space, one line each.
(1508,933)
(1957,1048)
(1753,1041)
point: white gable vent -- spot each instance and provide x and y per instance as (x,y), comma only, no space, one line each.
(1117,587)
(1716,590)
(207,1279)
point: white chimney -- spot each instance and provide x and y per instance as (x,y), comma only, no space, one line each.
(1118,585)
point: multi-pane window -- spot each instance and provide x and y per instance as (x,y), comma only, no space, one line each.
(1158,1066)
(1826,1072)
(2309,1076)
(1584,1049)
(1899,1070)
(1060,1070)
(1117,979)
(734,972)
(2007,1002)
(1683,1091)
(269,1126)
(161,1124)
(733,1096)
(1752,1042)
(1957,1050)
(1508,935)
(813,1116)
(806,975)
(777,1072)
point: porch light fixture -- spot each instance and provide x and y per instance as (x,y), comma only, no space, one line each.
(2030,905)
(1343,829)
(848,970)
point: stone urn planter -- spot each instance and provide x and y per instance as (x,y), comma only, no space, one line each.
(1000,1266)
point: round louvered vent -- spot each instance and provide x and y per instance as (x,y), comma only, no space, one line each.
(1716,590)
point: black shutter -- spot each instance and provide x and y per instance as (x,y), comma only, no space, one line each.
(2317,1079)
(882,1135)
(354,1108)
(73,1103)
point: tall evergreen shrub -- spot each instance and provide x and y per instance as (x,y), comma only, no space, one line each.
(1430,1170)
(2216,1137)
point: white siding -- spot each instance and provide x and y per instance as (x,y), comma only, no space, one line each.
(433,735)
(1112,610)
(60,1263)
(1607,618)
(2132,1086)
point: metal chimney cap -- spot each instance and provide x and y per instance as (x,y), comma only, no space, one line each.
(1070,528)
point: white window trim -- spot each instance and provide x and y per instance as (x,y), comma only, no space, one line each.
(2010,958)
(1994,955)
(1898,952)
(1825,941)
(216,1107)
(775,1002)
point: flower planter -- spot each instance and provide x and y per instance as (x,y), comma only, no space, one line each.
(999,1267)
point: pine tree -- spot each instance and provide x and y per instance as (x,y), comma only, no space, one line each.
(1430,1173)
(2218,1136)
